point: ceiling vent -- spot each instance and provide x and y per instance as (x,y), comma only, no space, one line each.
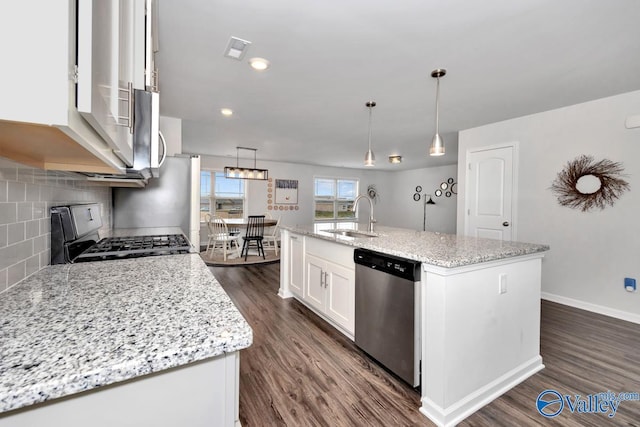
(236,48)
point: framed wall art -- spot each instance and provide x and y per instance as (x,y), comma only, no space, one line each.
(286,192)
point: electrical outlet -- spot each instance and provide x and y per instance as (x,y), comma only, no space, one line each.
(630,284)
(502,284)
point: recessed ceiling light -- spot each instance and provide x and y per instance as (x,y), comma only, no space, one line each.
(259,64)
(395,159)
(226,112)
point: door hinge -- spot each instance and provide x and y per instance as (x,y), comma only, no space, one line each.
(469,166)
(73,74)
(468,211)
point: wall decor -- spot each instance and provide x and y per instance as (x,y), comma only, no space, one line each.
(449,187)
(587,184)
(373,193)
(282,192)
(286,191)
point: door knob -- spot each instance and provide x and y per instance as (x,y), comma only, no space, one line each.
(505,224)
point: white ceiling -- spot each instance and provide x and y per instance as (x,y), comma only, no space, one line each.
(504,59)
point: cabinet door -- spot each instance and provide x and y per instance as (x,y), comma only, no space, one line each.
(341,295)
(315,282)
(104,69)
(296,265)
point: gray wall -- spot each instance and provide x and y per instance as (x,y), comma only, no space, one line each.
(403,211)
(395,206)
(591,252)
(26,194)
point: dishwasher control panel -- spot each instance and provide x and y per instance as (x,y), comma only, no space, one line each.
(400,267)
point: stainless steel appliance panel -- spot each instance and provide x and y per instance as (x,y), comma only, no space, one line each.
(86,218)
(165,202)
(385,315)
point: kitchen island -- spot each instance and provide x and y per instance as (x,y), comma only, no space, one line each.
(145,341)
(479,305)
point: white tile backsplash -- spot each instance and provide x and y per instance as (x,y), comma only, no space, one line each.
(3,190)
(15,233)
(26,195)
(8,213)
(17,191)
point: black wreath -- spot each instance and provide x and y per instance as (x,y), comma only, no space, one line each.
(611,184)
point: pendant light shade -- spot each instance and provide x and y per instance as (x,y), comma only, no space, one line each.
(437,146)
(370,158)
(437,143)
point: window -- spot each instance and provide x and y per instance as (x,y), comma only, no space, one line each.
(333,198)
(227,198)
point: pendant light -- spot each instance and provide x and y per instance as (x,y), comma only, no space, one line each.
(247,172)
(437,144)
(370,158)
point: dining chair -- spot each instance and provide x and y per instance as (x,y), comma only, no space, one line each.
(255,234)
(271,237)
(219,234)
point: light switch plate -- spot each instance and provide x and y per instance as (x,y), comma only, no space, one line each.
(502,280)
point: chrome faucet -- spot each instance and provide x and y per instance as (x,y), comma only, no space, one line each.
(355,206)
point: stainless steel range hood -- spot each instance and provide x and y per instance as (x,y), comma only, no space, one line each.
(149,146)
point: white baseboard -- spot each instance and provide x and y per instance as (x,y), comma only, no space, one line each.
(600,309)
(455,413)
(284,294)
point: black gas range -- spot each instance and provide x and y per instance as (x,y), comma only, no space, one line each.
(74,238)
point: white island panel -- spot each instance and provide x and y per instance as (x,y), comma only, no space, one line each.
(478,342)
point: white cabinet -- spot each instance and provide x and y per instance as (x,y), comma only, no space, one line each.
(40,124)
(108,40)
(330,288)
(295,264)
(320,274)
(199,394)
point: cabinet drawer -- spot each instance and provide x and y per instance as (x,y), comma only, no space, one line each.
(334,252)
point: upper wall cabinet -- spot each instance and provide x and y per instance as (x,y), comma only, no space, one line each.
(53,46)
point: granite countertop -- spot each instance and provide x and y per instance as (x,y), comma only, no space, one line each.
(74,327)
(442,250)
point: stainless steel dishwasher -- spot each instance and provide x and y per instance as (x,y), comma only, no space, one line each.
(387,318)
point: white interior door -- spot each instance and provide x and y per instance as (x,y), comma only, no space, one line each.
(490,187)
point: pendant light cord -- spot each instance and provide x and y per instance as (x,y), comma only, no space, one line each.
(370,112)
(437,106)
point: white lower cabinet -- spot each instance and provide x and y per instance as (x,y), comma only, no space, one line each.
(330,289)
(200,394)
(320,274)
(296,264)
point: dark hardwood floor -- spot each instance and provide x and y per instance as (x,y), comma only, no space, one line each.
(302,372)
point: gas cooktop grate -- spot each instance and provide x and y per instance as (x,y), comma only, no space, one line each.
(130,246)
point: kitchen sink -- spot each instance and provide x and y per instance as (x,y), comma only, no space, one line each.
(351,233)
